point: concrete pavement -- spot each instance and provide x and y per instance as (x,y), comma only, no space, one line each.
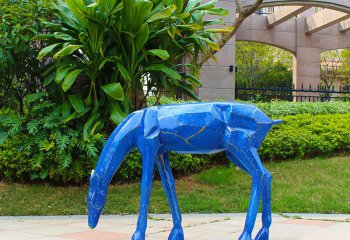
(196,226)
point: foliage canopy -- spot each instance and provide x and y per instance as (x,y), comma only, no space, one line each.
(106,51)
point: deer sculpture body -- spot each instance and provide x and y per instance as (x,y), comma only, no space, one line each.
(196,128)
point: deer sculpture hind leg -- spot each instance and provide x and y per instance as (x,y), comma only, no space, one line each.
(263,234)
(168,183)
(246,159)
(148,150)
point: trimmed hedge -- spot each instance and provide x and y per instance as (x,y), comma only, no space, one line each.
(280,108)
(300,136)
(182,164)
(306,136)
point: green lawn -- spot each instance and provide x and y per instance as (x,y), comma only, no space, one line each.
(317,186)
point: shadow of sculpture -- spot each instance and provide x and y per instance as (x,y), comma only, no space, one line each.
(197,128)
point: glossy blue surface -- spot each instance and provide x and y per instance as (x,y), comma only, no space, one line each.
(235,128)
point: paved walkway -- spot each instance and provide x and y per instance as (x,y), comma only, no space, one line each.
(196,227)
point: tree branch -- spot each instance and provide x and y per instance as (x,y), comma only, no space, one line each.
(243,14)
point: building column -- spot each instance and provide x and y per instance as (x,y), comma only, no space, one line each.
(217,79)
(306,69)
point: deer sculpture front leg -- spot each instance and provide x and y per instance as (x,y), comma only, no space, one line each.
(263,234)
(168,183)
(246,158)
(243,155)
(148,150)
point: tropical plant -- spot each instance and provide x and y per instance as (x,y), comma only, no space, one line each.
(20,71)
(44,144)
(106,51)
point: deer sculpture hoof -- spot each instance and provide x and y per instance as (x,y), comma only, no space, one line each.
(138,236)
(263,234)
(176,234)
(245,236)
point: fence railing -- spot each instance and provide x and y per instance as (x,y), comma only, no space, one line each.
(320,94)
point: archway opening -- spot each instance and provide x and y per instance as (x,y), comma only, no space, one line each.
(335,69)
(263,72)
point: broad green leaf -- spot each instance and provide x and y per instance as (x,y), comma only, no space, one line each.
(162,68)
(192,79)
(191,4)
(218,11)
(162,14)
(213,22)
(66,51)
(66,109)
(163,54)
(123,71)
(49,79)
(47,50)
(221,30)
(63,36)
(191,27)
(77,103)
(61,73)
(210,43)
(70,79)
(44,36)
(88,125)
(33,97)
(143,9)
(117,114)
(54,26)
(115,9)
(142,36)
(205,6)
(71,117)
(105,60)
(88,100)
(114,90)
(179,5)
(183,15)
(78,7)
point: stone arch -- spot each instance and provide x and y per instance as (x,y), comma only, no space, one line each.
(291,34)
(332,49)
(340,5)
(267,43)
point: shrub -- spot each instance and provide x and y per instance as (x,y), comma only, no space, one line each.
(48,143)
(280,108)
(182,164)
(307,136)
(20,70)
(44,144)
(151,101)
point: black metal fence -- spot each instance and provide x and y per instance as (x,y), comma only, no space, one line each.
(320,94)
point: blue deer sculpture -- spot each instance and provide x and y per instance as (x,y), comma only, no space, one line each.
(197,128)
